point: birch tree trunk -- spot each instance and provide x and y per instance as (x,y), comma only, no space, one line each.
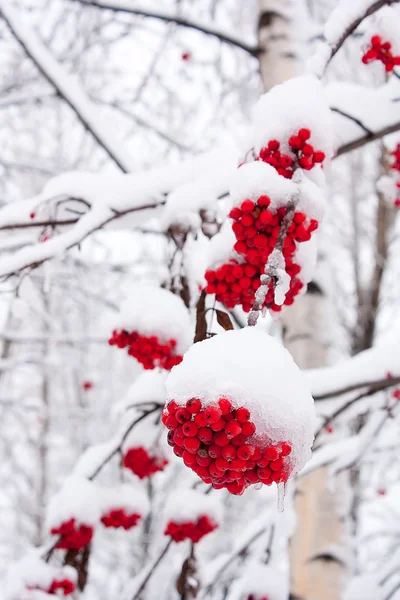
(315,573)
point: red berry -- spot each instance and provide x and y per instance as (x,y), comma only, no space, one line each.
(200,419)
(171,422)
(245,452)
(190,429)
(222,464)
(188,458)
(182,415)
(212,414)
(232,429)
(286,449)
(271,453)
(205,435)
(192,444)
(238,465)
(186,56)
(248,428)
(221,439)
(214,451)
(242,414)
(225,406)
(319,157)
(229,452)
(218,425)
(247,206)
(264,201)
(304,134)
(274,145)
(193,406)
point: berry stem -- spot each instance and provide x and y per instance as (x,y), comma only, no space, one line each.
(271,268)
(150,571)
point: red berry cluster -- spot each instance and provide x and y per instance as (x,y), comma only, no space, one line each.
(304,154)
(139,461)
(87,385)
(379,50)
(218,443)
(256,229)
(119,518)
(148,350)
(190,530)
(253,597)
(66,586)
(73,536)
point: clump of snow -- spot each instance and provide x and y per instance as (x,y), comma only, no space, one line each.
(251,369)
(149,436)
(185,505)
(156,311)
(387,25)
(220,249)
(255,179)
(33,571)
(128,497)
(282,283)
(343,16)
(298,103)
(78,499)
(184,204)
(149,387)
(306,258)
(264,581)
(363,587)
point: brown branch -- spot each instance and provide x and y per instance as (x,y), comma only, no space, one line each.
(178,20)
(151,570)
(372,387)
(366,139)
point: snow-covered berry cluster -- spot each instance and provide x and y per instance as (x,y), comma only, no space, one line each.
(302,154)
(117,518)
(142,463)
(218,442)
(154,337)
(254,597)
(73,535)
(396,167)
(65,586)
(33,574)
(191,530)
(242,437)
(382,51)
(148,350)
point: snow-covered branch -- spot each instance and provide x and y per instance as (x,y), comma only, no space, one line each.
(342,23)
(137,8)
(66,85)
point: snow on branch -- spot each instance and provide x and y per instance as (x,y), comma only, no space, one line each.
(137,8)
(104,199)
(342,23)
(375,369)
(66,85)
(344,454)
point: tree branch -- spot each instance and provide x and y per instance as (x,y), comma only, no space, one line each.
(366,139)
(371,387)
(66,85)
(162,15)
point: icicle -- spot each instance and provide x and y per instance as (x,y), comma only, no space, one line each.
(281,496)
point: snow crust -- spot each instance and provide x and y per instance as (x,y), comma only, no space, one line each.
(341,18)
(147,388)
(155,311)
(388,27)
(264,581)
(32,570)
(254,179)
(306,257)
(131,498)
(298,103)
(188,505)
(251,368)
(386,185)
(220,248)
(79,499)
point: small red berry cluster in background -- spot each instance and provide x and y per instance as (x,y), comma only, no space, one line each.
(73,536)
(139,461)
(87,385)
(120,518)
(304,154)
(66,586)
(218,443)
(253,597)
(148,350)
(380,50)
(186,56)
(190,530)
(396,167)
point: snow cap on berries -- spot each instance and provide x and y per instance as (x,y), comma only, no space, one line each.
(263,581)
(153,311)
(130,498)
(148,387)
(188,505)
(31,576)
(77,499)
(252,370)
(278,117)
